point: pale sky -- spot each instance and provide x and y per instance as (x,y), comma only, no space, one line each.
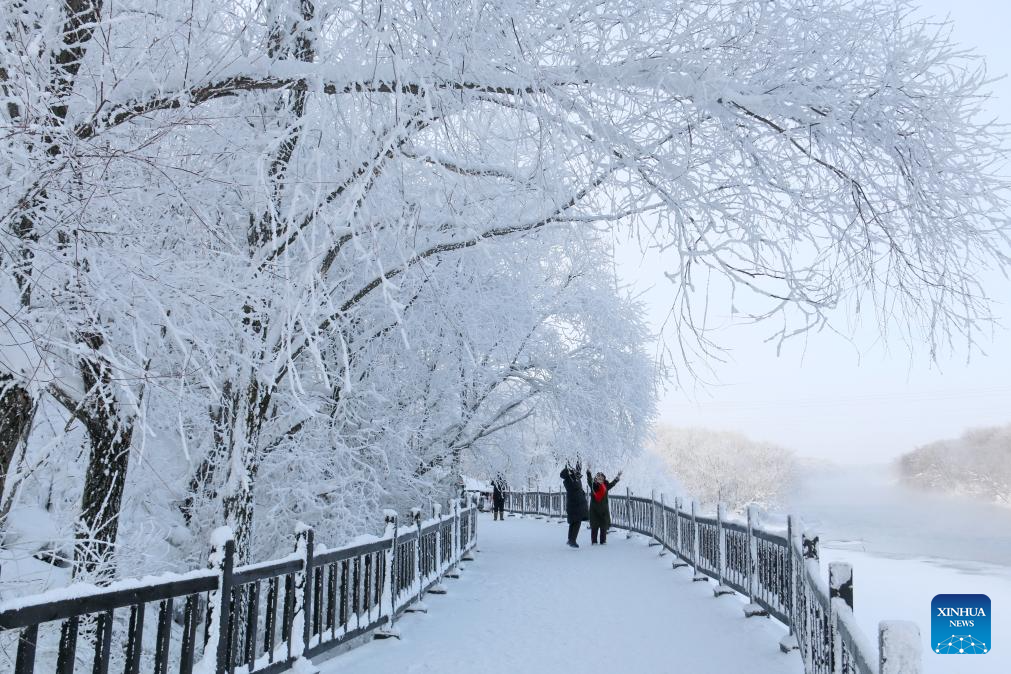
(855,403)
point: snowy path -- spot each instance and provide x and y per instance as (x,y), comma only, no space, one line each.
(529,604)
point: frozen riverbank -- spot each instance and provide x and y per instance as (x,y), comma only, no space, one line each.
(907,546)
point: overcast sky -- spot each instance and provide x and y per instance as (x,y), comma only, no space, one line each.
(864,401)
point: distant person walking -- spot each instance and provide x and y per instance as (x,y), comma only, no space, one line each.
(575,500)
(498,499)
(600,511)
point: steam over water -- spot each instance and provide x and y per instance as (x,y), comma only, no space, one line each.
(866,508)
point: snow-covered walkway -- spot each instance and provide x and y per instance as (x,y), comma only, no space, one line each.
(528,604)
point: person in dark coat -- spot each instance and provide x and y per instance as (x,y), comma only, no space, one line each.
(498,499)
(575,501)
(600,511)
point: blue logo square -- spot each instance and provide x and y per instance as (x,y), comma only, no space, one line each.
(960,624)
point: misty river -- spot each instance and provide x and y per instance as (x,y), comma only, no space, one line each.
(907,545)
(866,508)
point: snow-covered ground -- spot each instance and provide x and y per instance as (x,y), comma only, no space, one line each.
(901,589)
(908,545)
(530,604)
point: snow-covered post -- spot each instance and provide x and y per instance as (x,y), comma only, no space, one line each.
(677,527)
(418,606)
(840,587)
(652,513)
(789,642)
(457,542)
(899,647)
(471,515)
(663,526)
(753,610)
(752,554)
(679,558)
(438,587)
(653,540)
(721,554)
(457,532)
(453,566)
(390,582)
(695,541)
(628,512)
(221,560)
(696,576)
(720,548)
(300,624)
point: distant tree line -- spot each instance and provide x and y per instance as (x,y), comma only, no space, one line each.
(723,467)
(977,463)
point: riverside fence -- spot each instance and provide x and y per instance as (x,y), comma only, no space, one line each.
(258,618)
(776,568)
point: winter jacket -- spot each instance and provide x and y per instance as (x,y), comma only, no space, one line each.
(575,498)
(600,511)
(497,496)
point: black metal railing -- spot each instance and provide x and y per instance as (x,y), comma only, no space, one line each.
(255,619)
(774,567)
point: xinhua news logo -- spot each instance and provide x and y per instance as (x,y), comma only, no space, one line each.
(960,624)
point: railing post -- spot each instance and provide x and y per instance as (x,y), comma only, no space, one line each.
(628,512)
(721,554)
(696,576)
(652,513)
(840,586)
(720,548)
(695,541)
(680,559)
(470,516)
(418,606)
(27,644)
(438,587)
(663,526)
(301,624)
(221,560)
(753,609)
(390,582)
(752,555)
(677,527)
(453,570)
(899,648)
(457,542)
(789,642)
(653,540)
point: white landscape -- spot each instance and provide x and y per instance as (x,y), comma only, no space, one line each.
(286,287)
(907,546)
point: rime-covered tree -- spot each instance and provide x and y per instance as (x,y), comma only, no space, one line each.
(311,238)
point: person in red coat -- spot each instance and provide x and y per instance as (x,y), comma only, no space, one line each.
(600,511)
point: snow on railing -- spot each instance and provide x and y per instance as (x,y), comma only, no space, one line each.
(776,570)
(259,618)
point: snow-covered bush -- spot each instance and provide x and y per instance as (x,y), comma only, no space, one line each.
(978,463)
(723,467)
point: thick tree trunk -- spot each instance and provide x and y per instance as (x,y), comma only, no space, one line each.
(244,463)
(16,411)
(110,435)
